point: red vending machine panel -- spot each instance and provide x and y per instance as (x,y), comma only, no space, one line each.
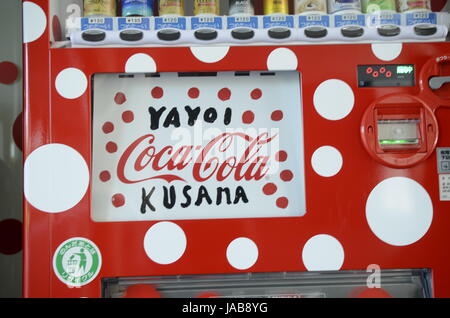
(282,167)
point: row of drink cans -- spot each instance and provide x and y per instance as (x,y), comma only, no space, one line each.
(239,7)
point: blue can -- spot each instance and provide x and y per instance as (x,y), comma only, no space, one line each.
(137,8)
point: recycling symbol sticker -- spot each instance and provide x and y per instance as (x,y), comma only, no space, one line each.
(77,261)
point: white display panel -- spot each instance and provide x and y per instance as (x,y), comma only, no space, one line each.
(218,133)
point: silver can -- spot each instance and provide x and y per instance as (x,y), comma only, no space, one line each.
(335,6)
(305,6)
(239,7)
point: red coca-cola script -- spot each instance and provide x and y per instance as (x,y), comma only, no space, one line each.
(212,161)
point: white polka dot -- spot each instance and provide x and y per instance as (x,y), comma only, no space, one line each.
(165,243)
(56,178)
(242,253)
(326,161)
(71,83)
(323,252)
(282,59)
(34,22)
(399,211)
(387,51)
(140,63)
(333,99)
(209,54)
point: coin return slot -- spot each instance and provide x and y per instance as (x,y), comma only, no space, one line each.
(398,134)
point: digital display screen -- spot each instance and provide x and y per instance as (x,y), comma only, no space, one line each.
(390,75)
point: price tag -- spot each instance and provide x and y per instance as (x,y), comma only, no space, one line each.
(97,23)
(178,23)
(384,18)
(272,21)
(421,17)
(206,22)
(134,23)
(314,19)
(349,19)
(242,22)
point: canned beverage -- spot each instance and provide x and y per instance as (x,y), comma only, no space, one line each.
(276,6)
(372,6)
(302,6)
(171,7)
(241,7)
(137,8)
(100,8)
(343,5)
(408,5)
(209,7)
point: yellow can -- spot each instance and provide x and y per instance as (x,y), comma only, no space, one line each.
(103,8)
(171,7)
(276,6)
(206,7)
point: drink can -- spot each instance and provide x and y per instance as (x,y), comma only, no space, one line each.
(343,5)
(302,6)
(276,6)
(100,8)
(372,6)
(241,7)
(408,5)
(208,7)
(171,7)
(137,8)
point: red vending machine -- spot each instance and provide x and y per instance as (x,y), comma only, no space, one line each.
(265,153)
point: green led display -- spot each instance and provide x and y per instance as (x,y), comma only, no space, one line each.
(405,69)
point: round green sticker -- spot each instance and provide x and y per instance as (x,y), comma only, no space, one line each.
(77,261)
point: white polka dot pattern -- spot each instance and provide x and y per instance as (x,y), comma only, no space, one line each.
(140,63)
(71,83)
(282,59)
(399,211)
(165,243)
(34,22)
(387,51)
(334,99)
(56,178)
(327,161)
(242,253)
(323,252)
(211,54)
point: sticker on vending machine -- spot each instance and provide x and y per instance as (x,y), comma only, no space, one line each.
(173,146)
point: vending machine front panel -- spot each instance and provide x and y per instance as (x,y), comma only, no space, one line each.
(363,189)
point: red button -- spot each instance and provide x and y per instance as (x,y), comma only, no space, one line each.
(369,70)
(382,70)
(388,74)
(375,74)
